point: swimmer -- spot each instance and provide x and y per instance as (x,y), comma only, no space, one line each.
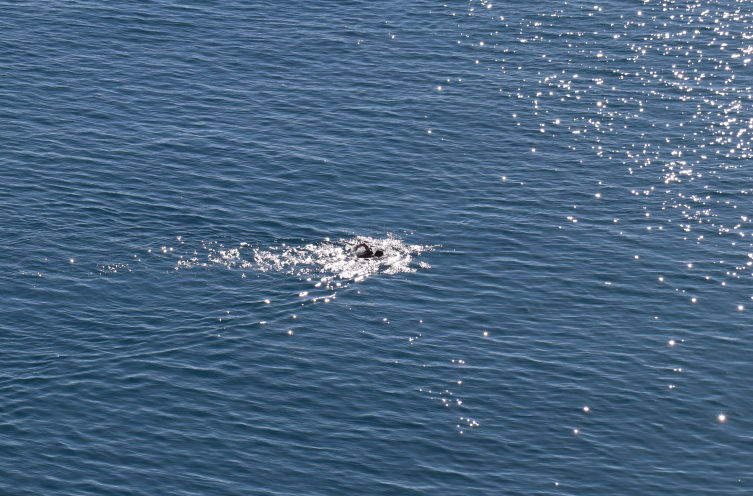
(367,253)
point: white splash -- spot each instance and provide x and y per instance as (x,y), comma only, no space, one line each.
(333,259)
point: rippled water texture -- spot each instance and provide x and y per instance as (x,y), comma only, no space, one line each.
(561,190)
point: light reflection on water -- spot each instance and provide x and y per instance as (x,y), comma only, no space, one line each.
(583,165)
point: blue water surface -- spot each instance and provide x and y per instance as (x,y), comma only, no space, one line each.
(562,191)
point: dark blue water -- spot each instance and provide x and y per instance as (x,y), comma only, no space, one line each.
(563,195)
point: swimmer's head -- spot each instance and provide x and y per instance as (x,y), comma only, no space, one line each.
(378,253)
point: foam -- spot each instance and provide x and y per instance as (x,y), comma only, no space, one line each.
(332,259)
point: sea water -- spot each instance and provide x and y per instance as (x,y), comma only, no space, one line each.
(562,191)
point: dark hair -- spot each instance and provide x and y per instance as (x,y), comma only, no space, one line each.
(378,253)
